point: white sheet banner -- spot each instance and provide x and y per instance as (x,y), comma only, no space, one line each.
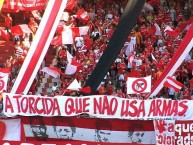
(164,132)
(3,83)
(10,129)
(138,85)
(99,106)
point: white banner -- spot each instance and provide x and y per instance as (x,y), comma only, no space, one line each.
(138,85)
(3,83)
(10,129)
(164,132)
(98,105)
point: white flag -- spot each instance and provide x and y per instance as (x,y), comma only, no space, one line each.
(70,69)
(74,86)
(138,85)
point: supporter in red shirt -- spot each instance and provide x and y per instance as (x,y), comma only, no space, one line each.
(186,92)
(33,25)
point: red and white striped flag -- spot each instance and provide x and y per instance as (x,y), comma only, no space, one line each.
(69,34)
(52,71)
(155,30)
(173,83)
(70,69)
(20,29)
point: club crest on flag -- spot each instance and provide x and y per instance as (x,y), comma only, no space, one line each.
(138,85)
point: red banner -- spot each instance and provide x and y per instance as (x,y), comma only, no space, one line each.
(25,5)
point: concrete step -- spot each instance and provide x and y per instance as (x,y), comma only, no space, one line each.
(49,84)
(50,80)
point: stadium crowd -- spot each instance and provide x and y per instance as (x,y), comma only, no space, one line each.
(149,44)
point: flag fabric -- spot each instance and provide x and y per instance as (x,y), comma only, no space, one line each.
(39,46)
(52,71)
(4,34)
(138,85)
(75,85)
(70,69)
(148,7)
(130,58)
(69,57)
(70,4)
(82,15)
(68,34)
(86,90)
(72,65)
(158,30)
(4,71)
(57,41)
(153,58)
(36,14)
(20,29)
(155,30)
(173,33)
(173,83)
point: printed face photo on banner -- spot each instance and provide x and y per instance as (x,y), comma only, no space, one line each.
(38,128)
(135,133)
(64,132)
(88,129)
(103,130)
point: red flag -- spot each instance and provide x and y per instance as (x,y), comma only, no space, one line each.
(57,40)
(52,71)
(24,5)
(86,90)
(20,29)
(173,83)
(70,4)
(5,70)
(75,63)
(173,33)
(82,15)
